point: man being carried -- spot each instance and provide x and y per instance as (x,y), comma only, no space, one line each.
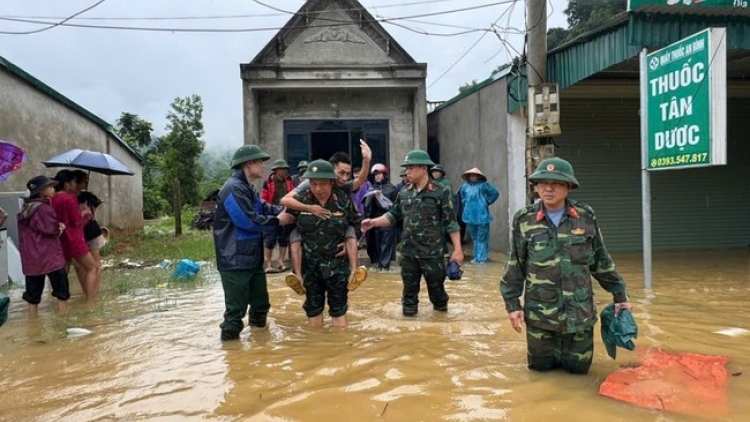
(342,167)
(324,272)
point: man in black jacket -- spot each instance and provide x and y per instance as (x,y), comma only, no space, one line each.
(240,220)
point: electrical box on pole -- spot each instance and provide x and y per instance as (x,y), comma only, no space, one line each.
(544,111)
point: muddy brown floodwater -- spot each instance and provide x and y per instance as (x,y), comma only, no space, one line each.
(154,353)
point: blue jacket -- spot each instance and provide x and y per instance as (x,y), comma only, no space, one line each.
(240,220)
(476,199)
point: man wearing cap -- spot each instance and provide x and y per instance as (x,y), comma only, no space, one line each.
(427,211)
(241,219)
(325,274)
(301,168)
(477,194)
(278,184)
(342,167)
(556,247)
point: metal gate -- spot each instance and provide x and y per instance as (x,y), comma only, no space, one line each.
(704,208)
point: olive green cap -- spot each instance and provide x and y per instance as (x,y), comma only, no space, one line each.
(247,153)
(279,164)
(402,173)
(320,169)
(303,164)
(555,169)
(438,167)
(417,158)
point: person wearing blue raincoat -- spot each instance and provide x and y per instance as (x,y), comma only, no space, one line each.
(477,195)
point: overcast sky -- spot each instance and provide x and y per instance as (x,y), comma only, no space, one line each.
(109,71)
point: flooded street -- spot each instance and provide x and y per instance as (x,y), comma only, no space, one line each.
(154,353)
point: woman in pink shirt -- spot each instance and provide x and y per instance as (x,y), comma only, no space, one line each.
(74,246)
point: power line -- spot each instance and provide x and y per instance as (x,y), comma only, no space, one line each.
(208,17)
(467,50)
(338,22)
(54,25)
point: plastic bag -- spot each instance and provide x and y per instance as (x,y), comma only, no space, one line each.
(384,202)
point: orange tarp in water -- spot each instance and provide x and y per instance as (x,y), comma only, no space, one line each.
(676,382)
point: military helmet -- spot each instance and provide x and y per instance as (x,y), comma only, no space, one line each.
(320,169)
(555,169)
(302,165)
(438,167)
(279,164)
(247,153)
(417,158)
(402,173)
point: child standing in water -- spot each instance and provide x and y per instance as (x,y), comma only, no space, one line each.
(39,241)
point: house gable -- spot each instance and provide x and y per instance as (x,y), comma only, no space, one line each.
(332,32)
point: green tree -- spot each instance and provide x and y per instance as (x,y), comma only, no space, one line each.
(216,163)
(135,131)
(584,16)
(181,147)
(467,86)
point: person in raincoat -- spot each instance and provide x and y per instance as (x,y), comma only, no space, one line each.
(477,194)
(555,248)
(381,242)
(240,221)
(42,257)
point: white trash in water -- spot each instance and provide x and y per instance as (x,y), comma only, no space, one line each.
(78,332)
(733,332)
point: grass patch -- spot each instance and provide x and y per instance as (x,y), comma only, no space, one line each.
(157,242)
(149,247)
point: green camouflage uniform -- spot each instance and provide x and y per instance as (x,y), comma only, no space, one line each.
(552,267)
(324,273)
(427,215)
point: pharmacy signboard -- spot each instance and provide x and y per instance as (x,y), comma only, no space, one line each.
(685,88)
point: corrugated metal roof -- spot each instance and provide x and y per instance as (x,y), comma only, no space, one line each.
(36,83)
(624,37)
(682,10)
(661,30)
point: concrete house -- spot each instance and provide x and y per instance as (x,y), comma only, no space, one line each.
(43,121)
(598,75)
(331,76)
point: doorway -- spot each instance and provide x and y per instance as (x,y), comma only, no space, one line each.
(324,144)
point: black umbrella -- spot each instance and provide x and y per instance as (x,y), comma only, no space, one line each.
(89,160)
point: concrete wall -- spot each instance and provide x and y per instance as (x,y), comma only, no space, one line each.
(396,105)
(472,132)
(44,127)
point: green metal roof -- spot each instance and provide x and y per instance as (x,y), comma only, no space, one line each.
(622,39)
(36,83)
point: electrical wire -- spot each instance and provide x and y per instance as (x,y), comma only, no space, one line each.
(338,22)
(54,25)
(468,50)
(209,17)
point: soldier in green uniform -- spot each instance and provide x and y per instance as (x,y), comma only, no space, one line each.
(427,212)
(556,247)
(324,273)
(438,175)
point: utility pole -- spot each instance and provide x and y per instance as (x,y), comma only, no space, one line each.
(536,73)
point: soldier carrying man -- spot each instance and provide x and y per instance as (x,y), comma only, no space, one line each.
(324,273)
